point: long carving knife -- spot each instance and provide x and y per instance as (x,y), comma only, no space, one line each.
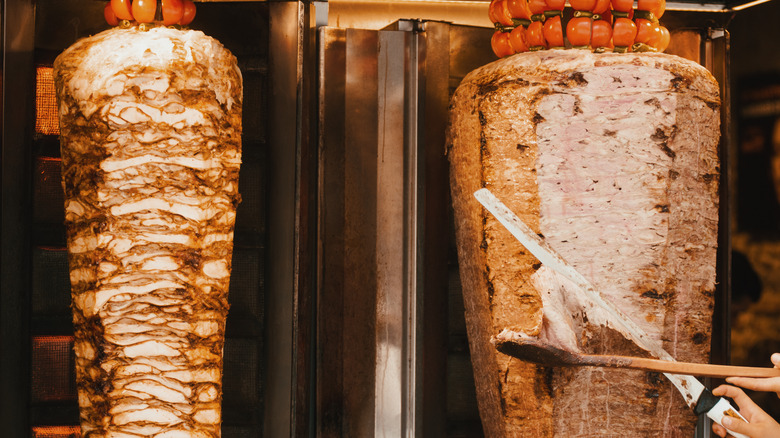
(695,394)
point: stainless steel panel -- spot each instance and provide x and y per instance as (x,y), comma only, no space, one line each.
(391,241)
(383,216)
(288,313)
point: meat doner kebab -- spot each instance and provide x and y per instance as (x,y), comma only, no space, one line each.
(150,118)
(608,150)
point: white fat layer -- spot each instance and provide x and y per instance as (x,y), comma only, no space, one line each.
(106,294)
(128,404)
(198,375)
(74,207)
(207,416)
(114,164)
(160,264)
(157,390)
(208,393)
(121,112)
(189,212)
(150,348)
(216,269)
(151,415)
(206,328)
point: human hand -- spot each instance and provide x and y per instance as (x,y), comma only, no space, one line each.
(768,384)
(759,425)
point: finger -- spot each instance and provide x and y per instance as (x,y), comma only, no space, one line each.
(768,384)
(776,359)
(719,430)
(738,395)
(739,426)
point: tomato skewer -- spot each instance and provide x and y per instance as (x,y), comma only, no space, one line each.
(173,12)
(122,9)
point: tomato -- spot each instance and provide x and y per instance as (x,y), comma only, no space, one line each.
(534,36)
(172,11)
(492,11)
(555,5)
(552,29)
(122,9)
(657,7)
(109,15)
(537,6)
(647,32)
(601,34)
(623,32)
(601,7)
(144,10)
(582,5)
(517,40)
(663,40)
(502,13)
(578,31)
(622,5)
(519,9)
(188,13)
(500,44)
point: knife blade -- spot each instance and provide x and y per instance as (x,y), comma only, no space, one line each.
(695,394)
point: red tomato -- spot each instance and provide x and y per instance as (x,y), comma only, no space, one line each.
(555,5)
(622,5)
(553,31)
(492,11)
(657,7)
(537,6)
(582,5)
(502,13)
(122,9)
(623,32)
(144,10)
(172,11)
(189,12)
(517,40)
(664,39)
(519,9)
(534,35)
(647,32)
(500,44)
(601,7)
(108,13)
(601,34)
(578,31)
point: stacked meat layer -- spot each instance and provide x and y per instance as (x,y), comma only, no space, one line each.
(151,149)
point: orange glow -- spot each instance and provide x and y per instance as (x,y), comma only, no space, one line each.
(53,369)
(46,118)
(56,432)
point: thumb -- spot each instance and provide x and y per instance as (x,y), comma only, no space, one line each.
(738,425)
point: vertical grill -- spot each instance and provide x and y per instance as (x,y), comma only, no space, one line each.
(45,318)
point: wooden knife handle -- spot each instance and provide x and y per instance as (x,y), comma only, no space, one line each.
(700,369)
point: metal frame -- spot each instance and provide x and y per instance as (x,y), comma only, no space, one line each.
(292,222)
(17,108)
